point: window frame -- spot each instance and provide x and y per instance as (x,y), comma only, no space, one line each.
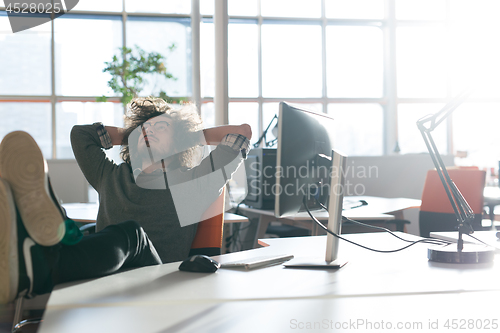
(53,98)
(389,101)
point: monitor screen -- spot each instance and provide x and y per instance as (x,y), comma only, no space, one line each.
(308,168)
(304,137)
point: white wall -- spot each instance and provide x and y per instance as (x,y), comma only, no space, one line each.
(68,181)
(392,176)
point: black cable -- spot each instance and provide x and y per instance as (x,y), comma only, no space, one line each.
(354,243)
(238,207)
(478,240)
(361,204)
(240,229)
(364,224)
(234,238)
(346,219)
(429,240)
(236,231)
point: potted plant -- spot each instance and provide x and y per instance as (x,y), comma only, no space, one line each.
(129,69)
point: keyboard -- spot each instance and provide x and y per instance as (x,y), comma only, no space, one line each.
(256,262)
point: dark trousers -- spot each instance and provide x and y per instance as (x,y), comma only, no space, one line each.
(124,245)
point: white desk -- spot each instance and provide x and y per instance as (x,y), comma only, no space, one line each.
(84,212)
(87,213)
(382,209)
(390,288)
(488,237)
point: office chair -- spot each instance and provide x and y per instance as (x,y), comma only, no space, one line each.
(436,212)
(208,238)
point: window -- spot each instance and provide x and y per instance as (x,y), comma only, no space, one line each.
(410,138)
(376,66)
(421,62)
(25,59)
(207,62)
(291,60)
(443,47)
(208,114)
(354,61)
(33,118)
(78,68)
(158,6)
(243,66)
(331,62)
(45,93)
(430,10)
(475,130)
(157,35)
(240,113)
(355,9)
(70,113)
(98,5)
(291,8)
(358,127)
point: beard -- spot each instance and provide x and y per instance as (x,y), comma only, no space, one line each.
(155,153)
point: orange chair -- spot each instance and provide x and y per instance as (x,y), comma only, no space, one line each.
(436,212)
(208,238)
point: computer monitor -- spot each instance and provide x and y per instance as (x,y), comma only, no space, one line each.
(308,167)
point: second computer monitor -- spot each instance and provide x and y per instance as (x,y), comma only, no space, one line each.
(309,172)
(303,162)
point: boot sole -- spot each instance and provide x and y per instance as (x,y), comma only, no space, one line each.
(23,166)
(9,261)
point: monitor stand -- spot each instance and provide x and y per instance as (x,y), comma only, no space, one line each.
(313,264)
(337,185)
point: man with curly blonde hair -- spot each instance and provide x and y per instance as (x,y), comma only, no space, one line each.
(159,146)
(186,121)
(139,223)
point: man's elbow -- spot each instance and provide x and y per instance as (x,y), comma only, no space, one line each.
(246,130)
(73,132)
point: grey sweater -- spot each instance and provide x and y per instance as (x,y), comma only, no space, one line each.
(121,199)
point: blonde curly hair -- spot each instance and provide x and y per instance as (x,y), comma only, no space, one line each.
(186,119)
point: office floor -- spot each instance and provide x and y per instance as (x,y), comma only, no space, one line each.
(7,315)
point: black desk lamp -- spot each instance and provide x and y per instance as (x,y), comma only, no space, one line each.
(263,136)
(462,254)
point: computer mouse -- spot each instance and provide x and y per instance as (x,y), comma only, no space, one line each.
(199,263)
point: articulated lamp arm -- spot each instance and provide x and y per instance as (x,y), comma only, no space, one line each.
(461,208)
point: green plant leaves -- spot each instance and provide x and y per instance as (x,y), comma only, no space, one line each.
(129,68)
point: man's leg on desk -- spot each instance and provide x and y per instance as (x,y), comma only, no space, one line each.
(30,268)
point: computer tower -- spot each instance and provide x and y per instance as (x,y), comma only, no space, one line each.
(260,167)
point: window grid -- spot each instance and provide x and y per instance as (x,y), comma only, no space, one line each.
(324,100)
(53,98)
(389,101)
